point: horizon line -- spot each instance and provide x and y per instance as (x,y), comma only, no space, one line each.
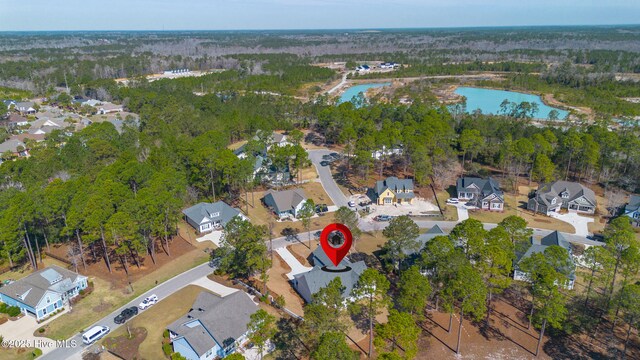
(332,29)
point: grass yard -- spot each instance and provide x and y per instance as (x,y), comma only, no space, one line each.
(18,353)
(450,212)
(106,298)
(156,319)
(513,206)
(315,192)
(309,173)
(260,215)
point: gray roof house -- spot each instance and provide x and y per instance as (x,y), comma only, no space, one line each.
(26,107)
(632,209)
(539,246)
(563,195)
(285,203)
(206,217)
(393,191)
(214,327)
(482,193)
(15,147)
(423,239)
(44,292)
(309,283)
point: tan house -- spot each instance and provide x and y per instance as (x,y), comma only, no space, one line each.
(394,191)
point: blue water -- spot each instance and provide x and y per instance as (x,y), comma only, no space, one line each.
(355,90)
(489,101)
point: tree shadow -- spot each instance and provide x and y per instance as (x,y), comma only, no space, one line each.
(491,332)
(429,331)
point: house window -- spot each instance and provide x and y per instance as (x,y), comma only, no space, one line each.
(44,311)
(496,206)
(55,306)
(553,201)
(565,195)
(387,200)
(48,300)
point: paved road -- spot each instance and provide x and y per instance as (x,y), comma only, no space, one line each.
(171,286)
(326,179)
(342,82)
(162,291)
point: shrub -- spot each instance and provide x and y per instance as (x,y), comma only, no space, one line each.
(280,302)
(13,311)
(165,334)
(81,292)
(35,353)
(176,356)
(41,330)
(167,349)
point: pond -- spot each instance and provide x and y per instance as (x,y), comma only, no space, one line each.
(489,100)
(355,90)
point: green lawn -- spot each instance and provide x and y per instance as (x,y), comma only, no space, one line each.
(104,299)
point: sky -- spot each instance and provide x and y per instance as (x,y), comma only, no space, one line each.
(25,15)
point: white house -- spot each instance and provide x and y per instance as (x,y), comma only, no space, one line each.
(539,246)
(206,217)
(632,209)
(287,203)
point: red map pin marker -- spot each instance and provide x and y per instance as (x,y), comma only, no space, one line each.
(330,241)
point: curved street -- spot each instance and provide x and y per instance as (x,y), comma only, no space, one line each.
(196,274)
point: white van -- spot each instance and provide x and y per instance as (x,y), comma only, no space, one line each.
(92,335)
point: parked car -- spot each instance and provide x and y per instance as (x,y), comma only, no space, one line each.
(327,157)
(364,202)
(324,163)
(148,301)
(317,234)
(382,218)
(352,203)
(452,201)
(321,208)
(94,334)
(125,315)
(335,155)
(596,237)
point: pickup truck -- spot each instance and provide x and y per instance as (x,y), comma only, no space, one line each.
(125,315)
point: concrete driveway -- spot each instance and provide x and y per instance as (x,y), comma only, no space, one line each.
(294,264)
(580,223)
(22,331)
(215,237)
